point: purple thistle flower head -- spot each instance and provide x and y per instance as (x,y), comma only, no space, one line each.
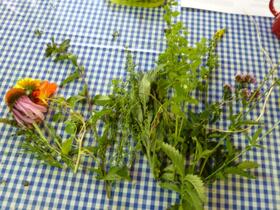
(27,112)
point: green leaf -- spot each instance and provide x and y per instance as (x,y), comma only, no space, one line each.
(117,173)
(197,184)
(170,186)
(75,75)
(101,100)
(63,47)
(58,117)
(66,146)
(229,147)
(248,122)
(248,165)
(256,136)
(70,128)
(238,171)
(177,159)
(84,91)
(73,100)
(98,115)
(144,89)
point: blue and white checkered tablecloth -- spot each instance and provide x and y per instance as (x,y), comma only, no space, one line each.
(90,24)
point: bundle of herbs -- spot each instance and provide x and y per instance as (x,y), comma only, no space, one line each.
(150,114)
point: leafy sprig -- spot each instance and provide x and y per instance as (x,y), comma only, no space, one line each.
(59,51)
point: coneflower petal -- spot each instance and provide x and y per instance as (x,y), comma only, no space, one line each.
(33,110)
(22,117)
(19,106)
(20,122)
(26,100)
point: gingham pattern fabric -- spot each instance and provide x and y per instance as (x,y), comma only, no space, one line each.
(90,24)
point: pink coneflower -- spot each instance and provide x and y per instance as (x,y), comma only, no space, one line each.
(24,110)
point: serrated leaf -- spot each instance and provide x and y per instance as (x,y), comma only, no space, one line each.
(248,165)
(66,146)
(144,89)
(175,156)
(170,186)
(197,184)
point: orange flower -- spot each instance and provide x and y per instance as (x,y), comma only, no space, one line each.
(28,84)
(45,90)
(24,110)
(13,95)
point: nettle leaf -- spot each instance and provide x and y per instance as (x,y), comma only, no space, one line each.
(197,185)
(117,173)
(66,146)
(248,165)
(175,156)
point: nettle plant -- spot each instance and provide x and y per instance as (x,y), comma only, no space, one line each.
(149,114)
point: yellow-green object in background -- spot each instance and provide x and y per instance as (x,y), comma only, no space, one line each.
(140,3)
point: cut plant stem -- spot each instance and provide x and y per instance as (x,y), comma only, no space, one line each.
(80,142)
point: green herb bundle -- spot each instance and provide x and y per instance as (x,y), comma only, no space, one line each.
(150,114)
